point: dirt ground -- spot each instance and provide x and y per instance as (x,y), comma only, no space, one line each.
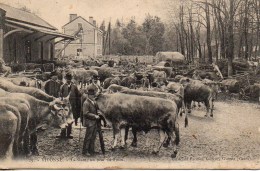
(233,134)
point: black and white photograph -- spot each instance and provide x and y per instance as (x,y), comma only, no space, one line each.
(129,84)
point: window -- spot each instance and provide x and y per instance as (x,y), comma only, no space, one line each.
(79,52)
(79,25)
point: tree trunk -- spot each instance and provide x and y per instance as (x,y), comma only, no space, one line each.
(208,33)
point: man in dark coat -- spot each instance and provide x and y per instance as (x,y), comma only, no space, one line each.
(71,89)
(90,120)
(52,87)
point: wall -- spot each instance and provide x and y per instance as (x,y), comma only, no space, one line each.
(90,39)
(15,52)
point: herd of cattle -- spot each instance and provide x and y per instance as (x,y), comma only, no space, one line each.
(142,101)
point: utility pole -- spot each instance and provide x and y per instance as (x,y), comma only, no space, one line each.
(109,38)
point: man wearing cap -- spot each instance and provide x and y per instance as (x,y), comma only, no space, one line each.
(90,118)
(71,89)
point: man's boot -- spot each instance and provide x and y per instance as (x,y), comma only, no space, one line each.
(62,133)
(69,129)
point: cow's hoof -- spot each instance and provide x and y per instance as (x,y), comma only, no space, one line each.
(189,111)
(122,147)
(35,153)
(165,145)
(155,152)
(174,154)
(113,149)
(134,144)
(205,116)
(211,115)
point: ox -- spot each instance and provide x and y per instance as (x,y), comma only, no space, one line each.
(9,123)
(195,90)
(35,112)
(136,111)
(82,75)
(37,93)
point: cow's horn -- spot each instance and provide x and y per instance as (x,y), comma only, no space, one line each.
(56,107)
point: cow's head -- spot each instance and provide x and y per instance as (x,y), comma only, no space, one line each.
(60,113)
(185,81)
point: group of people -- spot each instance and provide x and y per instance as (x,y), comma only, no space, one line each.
(82,106)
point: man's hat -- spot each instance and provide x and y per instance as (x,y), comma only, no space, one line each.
(95,77)
(68,76)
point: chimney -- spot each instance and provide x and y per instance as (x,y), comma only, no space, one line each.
(73,16)
(91,19)
(95,23)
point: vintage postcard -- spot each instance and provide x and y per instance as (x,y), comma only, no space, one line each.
(119,84)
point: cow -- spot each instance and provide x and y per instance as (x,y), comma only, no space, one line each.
(82,75)
(116,88)
(128,81)
(37,93)
(24,109)
(195,90)
(55,113)
(159,77)
(10,122)
(29,82)
(111,80)
(124,109)
(173,97)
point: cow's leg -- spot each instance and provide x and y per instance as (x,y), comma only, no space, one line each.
(134,142)
(176,142)
(26,143)
(162,138)
(122,134)
(116,131)
(126,132)
(188,106)
(168,140)
(33,142)
(207,107)
(211,105)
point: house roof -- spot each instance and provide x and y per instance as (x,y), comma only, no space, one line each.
(84,20)
(39,29)
(24,16)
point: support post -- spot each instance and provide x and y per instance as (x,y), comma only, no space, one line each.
(2,24)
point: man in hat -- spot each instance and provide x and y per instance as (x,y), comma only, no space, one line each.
(71,89)
(90,117)
(52,86)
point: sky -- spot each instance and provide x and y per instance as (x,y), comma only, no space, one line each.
(56,12)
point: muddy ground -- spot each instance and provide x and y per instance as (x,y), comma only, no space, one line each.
(233,134)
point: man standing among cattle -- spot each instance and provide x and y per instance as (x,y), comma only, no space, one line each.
(91,120)
(52,86)
(70,89)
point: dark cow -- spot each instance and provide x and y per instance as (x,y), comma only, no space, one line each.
(111,80)
(10,122)
(128,81)
(195,90)
(123,109)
